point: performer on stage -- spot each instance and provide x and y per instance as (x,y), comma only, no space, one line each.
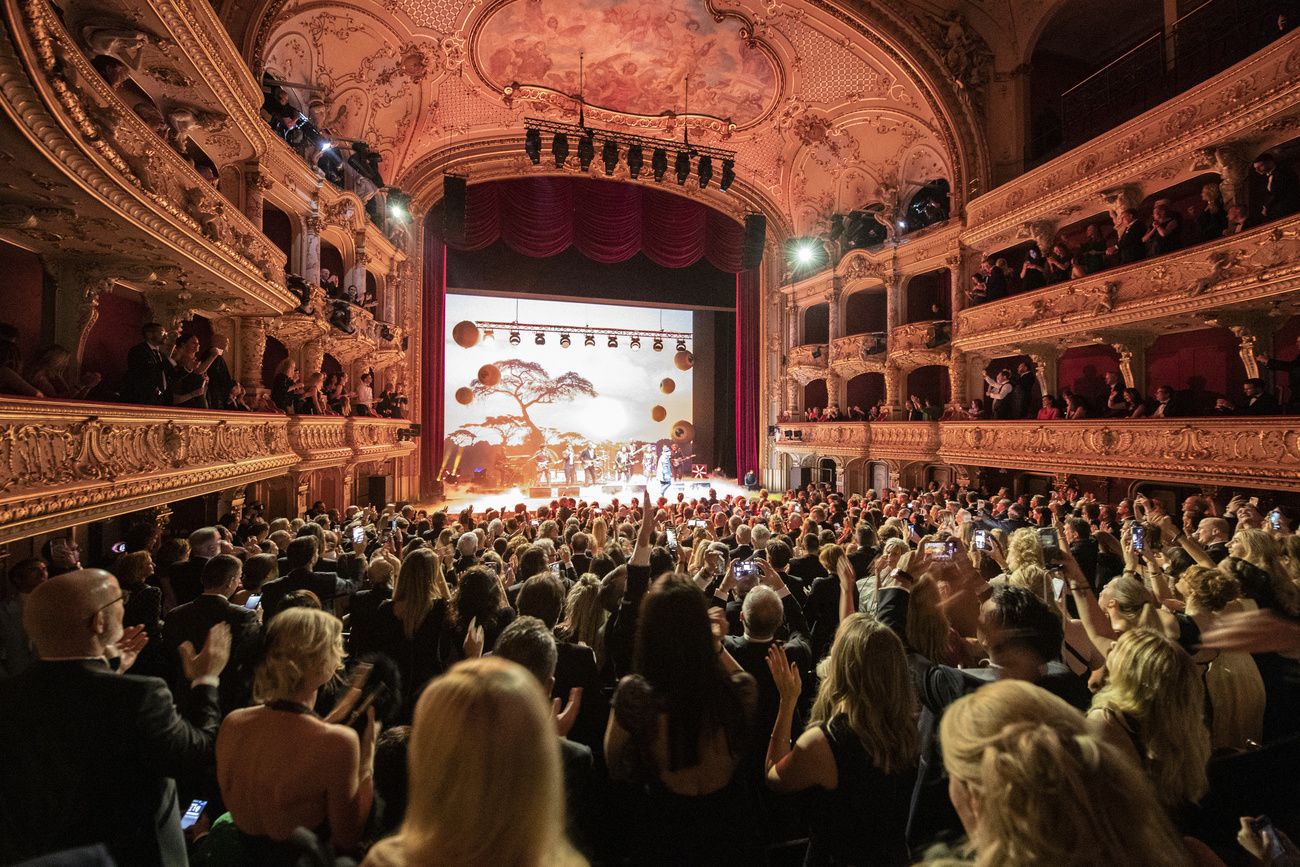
(623,464)
(648,462)
(568,465)
(588,465)
(505,476)
(543,460)
(679,462)
(665,474)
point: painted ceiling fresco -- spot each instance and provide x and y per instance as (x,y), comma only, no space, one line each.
(639,55)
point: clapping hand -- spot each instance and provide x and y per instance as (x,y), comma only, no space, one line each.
(564,719)
(785,673)
(129,646)
(473,645)
(212,658)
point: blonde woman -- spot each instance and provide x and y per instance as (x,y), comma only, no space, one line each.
(858,756)
(1152,708)
(279,765)
(1033,786)
(584,617)
(1260,549)
(486,786)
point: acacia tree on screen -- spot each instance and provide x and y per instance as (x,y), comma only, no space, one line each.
(529,384)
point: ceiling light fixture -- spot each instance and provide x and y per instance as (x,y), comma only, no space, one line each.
(613,342)
(560,148)
(636,344)
(514,338)
(564,341)
(658,344)
(681,346)
(635,159)
(706,170)
(589,340)
(540,339)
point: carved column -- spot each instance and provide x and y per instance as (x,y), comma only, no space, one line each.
(357,273)
(893,301)
(833,298)
(1045,358)
(791,322)
(895,388)
(313,356)
(87,314)
(1251,343)
(252,348)
(957,380)
(793,403)
(957,280)
(256,184)
(311,248)
(834,389)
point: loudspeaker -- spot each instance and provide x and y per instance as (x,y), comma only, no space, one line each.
(570,491)
(539,493)
(751,256)
(380,490)
(453,206)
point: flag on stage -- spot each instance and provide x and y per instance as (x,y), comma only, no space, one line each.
(700,471)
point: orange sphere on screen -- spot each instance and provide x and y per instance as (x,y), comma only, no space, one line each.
(659,413)
(667,386)
(464,396)
(489,375)
(465,334)
(684,360)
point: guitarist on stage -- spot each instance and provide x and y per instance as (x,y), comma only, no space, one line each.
(678,459)
(543,459)
(588,465)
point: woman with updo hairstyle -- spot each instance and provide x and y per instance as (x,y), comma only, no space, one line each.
(1024,548)
(1033,786)
(280,766)
(857,758)
(584,617)
(1262,550)
(1152,708)
(486,784)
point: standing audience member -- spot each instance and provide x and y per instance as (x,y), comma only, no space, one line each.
(17,652)
(89,751)
(1283,187)
(147,368)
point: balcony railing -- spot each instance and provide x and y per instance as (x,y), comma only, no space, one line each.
(1251,452)
(67,462)
(858,353)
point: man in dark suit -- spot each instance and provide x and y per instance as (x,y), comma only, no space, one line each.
(743,549)
(1283,187)
(807,567)
(186,577)
(581,559)
(1256,401)
(88,752)
(1292,370)
(147,368)
(1214,534)
(861,559)
(542,596)
(192,621)
(1023,639)
(1169,404)
(301,560)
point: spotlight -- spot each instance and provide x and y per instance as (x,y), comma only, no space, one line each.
(681,346)
(706,170)
(636,344)
(682,167)
(533,145)
(560,147)
(658,344)
(635,159)
(728,175)
(540,339)
(586,151)
(326,145)
(589,340)
(610,155)
(659,163)
(613,342)
(564,341)
(804,254)
(514,338)
(489,336)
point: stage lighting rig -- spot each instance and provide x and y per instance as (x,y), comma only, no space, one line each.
(635,160)
(613,141)
(682,167)
(560,149)
(705,170)
(565,341)
(589,340)
(609,156)
(540,339)
(658,344)
(586,150)
(514,338)
(636,344)
(659,163)
(657,338)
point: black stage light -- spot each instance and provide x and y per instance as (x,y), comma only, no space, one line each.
(659,163)
(613,342)
(514,338)
(659,344)
(706,170)
(564,341)
(540,339)
(610,155)
(682,167)
(636,344)
(589,340)
(586,151)
(635,159)
(681,346)
(728,175)
(533,145)
(560,147)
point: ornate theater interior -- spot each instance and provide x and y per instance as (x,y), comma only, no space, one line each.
(834,224)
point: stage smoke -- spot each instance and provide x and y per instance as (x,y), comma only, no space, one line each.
(684,360)
(659,413)
(489,375)
(667,386)
(465,334)
(464,396)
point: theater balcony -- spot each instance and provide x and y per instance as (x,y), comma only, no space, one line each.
(64,463)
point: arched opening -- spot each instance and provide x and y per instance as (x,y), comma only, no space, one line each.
(928,297)
(332,273)
(826,473)
(274,353)
(277,227)
(1203,364)
(817,324)
(866,311)
(330,366)
(814,394)
(865,391)
(370,300)
(929,383)
(1083,369)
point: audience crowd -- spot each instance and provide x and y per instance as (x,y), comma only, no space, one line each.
(942,675)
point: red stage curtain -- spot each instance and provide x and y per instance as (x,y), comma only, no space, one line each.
(433,327)
(749,360)
(607,221)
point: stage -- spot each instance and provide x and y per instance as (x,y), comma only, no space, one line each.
(458,496)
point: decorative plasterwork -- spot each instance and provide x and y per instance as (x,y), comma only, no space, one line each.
(64,463)
(907,441)
(807,363)
(1255,452)
(850,356)
(1256,100)
(1257,267)
(908,347)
